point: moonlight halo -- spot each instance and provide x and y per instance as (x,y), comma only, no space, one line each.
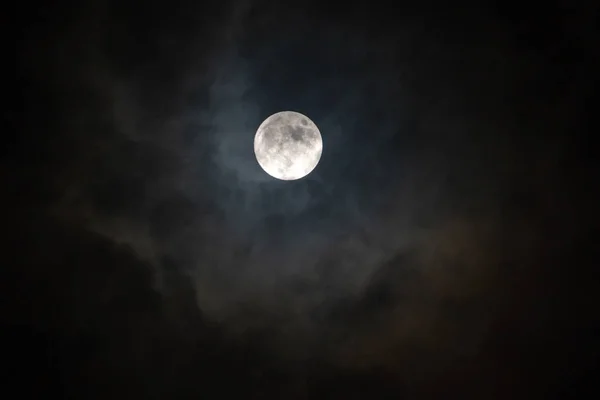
(288,145)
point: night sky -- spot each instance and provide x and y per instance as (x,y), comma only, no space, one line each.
(442,248)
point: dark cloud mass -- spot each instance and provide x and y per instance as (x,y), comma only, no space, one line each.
(441,248)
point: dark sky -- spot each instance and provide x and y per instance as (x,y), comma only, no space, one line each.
(441,248)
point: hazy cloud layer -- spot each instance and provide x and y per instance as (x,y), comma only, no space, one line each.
(400,249)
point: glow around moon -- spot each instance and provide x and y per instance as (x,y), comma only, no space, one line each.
(288,145)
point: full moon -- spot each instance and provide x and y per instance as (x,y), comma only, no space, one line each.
(288,145)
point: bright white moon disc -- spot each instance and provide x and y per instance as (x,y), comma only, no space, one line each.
(288,145)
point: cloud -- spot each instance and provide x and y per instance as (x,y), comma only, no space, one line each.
(405,208)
